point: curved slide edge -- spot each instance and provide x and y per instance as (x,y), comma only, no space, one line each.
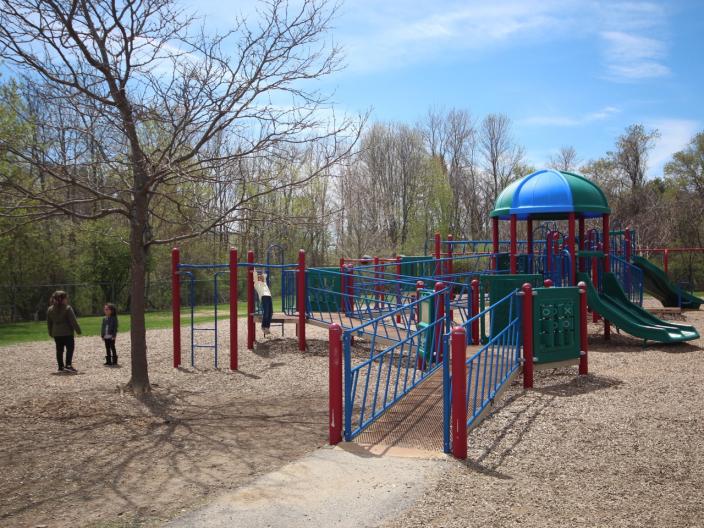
(659,285)
(614,306)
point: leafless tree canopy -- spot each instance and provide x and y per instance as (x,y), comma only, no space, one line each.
(133,110)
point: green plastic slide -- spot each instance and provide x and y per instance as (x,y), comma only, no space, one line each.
(612,304)
(659,285)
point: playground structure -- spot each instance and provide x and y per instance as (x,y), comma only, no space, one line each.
(471,316)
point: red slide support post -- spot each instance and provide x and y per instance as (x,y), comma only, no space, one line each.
(475,311)
(527,291)
(583,337)
(607,264)
(570,246)
(301,299)
(176,305)
(547,283)
(582,245)
(335,384)
(459,393)
(233,309)
(250,300)
(514,235)
(529,244)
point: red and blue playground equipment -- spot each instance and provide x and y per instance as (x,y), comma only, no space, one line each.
(479,311)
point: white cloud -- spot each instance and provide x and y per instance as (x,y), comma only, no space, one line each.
(392,35)
(675,134)
(633,57)
(570,121)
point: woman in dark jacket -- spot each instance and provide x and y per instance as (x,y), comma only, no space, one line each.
(62,324)
(108,331)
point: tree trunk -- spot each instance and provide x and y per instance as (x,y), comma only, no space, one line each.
(139,381)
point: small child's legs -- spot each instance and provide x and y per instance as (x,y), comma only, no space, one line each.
(267,313)
(110,352)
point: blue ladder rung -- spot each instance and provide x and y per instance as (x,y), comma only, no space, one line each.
(204,346)
(204,329)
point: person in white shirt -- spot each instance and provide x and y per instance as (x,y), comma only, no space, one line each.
(264,295)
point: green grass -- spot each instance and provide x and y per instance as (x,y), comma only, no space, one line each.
(36,331)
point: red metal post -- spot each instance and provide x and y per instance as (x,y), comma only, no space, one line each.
(176,305)
(450,270)
(665,256)
(583,341)
(459,393)
(377,286)
(495,242)
(514,267)
(475,311)
(343,286)
(527,336)
(595,282)
(398,285)
(439,316)
(607,263)
(301,299)
(582,261)
(419,286)
(250,300)
(547,283)
(438,264)
(570,246)
(233,309)
(335,384)
(529,248)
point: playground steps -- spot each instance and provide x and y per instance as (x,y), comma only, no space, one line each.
(415,422)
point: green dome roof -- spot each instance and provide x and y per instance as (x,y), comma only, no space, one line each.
(551,194)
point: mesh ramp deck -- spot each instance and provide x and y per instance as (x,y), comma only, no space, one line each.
(416,421)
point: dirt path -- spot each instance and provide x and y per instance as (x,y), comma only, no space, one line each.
(74,451)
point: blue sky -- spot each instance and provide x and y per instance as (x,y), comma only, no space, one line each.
(566,72)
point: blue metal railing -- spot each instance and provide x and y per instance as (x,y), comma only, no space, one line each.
(391,369)
(630,278)
(495,362)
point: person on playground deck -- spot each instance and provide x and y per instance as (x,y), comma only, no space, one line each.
(265,300)
(108,331)
(62,323)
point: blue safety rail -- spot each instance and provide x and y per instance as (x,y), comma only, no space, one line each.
(556,267)
(289,292)
(328,303)
(630,278)
(377,379)
(492,365)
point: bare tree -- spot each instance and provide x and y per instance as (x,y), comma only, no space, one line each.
(565,160)
(500,154)
(144,114)
(631,154)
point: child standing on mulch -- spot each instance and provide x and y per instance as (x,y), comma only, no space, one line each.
(265,299)
(62,324)
(108,331)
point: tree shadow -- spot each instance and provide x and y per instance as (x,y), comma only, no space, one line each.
(122,454)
